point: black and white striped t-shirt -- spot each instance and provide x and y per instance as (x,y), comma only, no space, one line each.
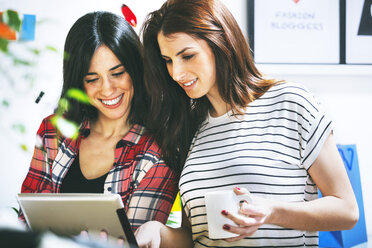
(268,151)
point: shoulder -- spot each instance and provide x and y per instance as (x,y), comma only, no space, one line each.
(291,95)
(289,90)
(143,139)
(47,127)
(48,135)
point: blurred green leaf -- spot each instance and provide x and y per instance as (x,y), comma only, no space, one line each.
(66,56)
(4,45)
(19,127)
(169,222)
(78,95)
(18,61)
(35,51)
(11,18)
(62,106)
(44,20)
(5,103)
(67,128)
(24,147)
(50,48)
(29,77)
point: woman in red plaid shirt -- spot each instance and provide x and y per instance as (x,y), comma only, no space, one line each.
(113,152)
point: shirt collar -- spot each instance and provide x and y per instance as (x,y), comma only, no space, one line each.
(131,138)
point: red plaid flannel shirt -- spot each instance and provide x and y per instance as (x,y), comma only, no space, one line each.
(147,186)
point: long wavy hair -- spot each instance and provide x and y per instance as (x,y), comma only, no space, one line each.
(174,116)
(87,34)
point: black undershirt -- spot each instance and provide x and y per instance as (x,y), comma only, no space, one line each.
(75,182)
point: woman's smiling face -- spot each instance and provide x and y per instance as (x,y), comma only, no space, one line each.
(108,85)
(190,62)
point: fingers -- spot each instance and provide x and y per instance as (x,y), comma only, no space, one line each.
(120,241)
(103,235)
(235,238)
(251,210)
(84,233)
(252,214)
(243,220)
(241,231)
(247,223)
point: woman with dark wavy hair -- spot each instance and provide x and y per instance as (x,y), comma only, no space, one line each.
(114,152)
(268,139)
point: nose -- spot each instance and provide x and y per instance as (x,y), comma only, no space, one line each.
(178,72)
(107,87)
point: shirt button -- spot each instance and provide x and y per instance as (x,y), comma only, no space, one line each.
(109,188)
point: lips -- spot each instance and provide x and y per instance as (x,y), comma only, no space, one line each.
(112,102)
(190,82)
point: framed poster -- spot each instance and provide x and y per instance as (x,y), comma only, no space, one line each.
(359,31)
(295,31)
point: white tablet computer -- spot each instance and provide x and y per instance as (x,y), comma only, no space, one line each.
(70,213)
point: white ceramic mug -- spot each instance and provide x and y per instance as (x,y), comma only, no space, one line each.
(215,202)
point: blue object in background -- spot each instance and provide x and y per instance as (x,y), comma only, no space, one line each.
(358,234)
(28,28)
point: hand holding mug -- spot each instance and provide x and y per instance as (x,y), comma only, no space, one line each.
(252,215)
(219,202)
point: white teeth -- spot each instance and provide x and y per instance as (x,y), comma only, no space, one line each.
(190,83)
(113,101)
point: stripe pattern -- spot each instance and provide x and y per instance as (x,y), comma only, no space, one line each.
(147,186)
(268,151)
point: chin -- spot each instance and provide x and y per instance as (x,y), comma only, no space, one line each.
(195,96)
(115,116)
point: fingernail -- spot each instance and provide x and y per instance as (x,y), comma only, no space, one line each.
(224,212)
(84,234)
(226,227)
(237,188)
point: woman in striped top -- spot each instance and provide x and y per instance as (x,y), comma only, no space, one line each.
(260,137)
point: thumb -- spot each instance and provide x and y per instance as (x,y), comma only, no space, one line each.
(243,194)
(241,191)
(155,243)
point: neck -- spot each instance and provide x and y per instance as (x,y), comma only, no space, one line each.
(219,106)
(111,128)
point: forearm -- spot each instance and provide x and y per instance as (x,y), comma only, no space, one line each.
(175,237)
(157,188)
(338,208)
(324,214)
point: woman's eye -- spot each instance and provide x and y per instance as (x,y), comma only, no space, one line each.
(118,73)
(188,57)
(168,61)
(91,80)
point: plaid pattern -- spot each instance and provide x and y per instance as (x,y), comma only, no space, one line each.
(147,186)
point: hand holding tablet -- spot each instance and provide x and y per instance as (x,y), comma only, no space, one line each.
(69,214)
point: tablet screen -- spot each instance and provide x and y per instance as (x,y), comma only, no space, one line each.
(70,213)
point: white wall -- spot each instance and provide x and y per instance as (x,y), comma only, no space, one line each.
(345,91)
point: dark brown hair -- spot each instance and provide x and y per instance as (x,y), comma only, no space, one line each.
(174,116)
(87,34)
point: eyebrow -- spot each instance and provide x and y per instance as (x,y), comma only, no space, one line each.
(113,68)
(180,52)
